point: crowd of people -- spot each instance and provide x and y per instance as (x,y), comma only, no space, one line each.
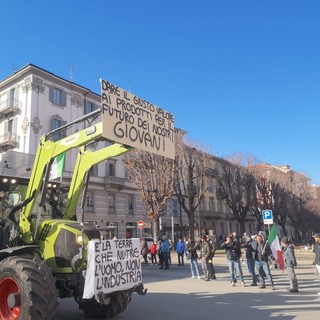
(255,248)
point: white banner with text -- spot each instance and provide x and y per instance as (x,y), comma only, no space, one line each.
(135,122)
(113,265)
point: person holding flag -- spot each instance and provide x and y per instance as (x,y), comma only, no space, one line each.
(274,243)
(261,252)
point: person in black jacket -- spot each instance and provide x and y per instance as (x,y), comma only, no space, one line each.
(262,251)
(231,248)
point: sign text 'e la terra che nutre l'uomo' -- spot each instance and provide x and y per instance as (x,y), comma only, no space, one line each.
(135,122)
(113,265)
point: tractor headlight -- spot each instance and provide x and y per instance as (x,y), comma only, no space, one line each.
(83,240)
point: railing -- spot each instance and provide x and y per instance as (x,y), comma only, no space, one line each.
(212,214)
(10,105)
(8,140)
(112,181)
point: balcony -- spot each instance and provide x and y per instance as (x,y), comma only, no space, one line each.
(213,214)
(9,107)
(9,140)
(112,182)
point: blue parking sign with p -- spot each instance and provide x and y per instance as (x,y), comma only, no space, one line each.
(267,216)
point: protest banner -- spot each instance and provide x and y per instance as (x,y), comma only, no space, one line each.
(113,265)
(135,122)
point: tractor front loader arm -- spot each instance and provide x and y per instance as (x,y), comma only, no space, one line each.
(85,160)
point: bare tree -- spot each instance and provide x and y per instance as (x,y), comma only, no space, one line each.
(262,199)
(153,176)
(313,218)
(271,193)
(300,194)
(236,186)
(191,179)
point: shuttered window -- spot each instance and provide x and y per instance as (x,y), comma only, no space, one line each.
(130,204)
(55,124)
(10,129)
(112,203)
(57,96)
(89,107)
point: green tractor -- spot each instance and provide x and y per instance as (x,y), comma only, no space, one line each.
(43,249)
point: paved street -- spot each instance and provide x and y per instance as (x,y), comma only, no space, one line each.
(174,295)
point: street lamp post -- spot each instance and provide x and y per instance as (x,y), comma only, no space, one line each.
(199,220)
(172,227)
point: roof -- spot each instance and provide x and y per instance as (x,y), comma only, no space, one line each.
(27,68)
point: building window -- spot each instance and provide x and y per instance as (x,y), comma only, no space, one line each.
(9,125)
(90,201)
(112,230)
(57,96)
(203,205)
(57,122)
(126,174)
(112,203)
(111,168)
(131,204)
(174,207)
(89,107)
(220,206)
(10,129)
(211,204)
(131,231)
(94,170)
(222,231)
(211,185)
(12,96)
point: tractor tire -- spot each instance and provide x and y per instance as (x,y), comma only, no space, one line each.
(118,303)
(27,289)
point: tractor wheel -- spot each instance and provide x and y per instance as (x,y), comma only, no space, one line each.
(27,289)
(118,303)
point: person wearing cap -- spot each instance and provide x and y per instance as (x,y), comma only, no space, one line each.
(290,263)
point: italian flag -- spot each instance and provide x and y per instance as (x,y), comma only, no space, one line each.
(57,167)
(275,246)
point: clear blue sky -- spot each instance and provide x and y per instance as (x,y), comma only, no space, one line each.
(242,76)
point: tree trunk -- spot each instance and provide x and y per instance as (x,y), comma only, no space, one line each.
(191,225)
(156,227)
(242,227)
